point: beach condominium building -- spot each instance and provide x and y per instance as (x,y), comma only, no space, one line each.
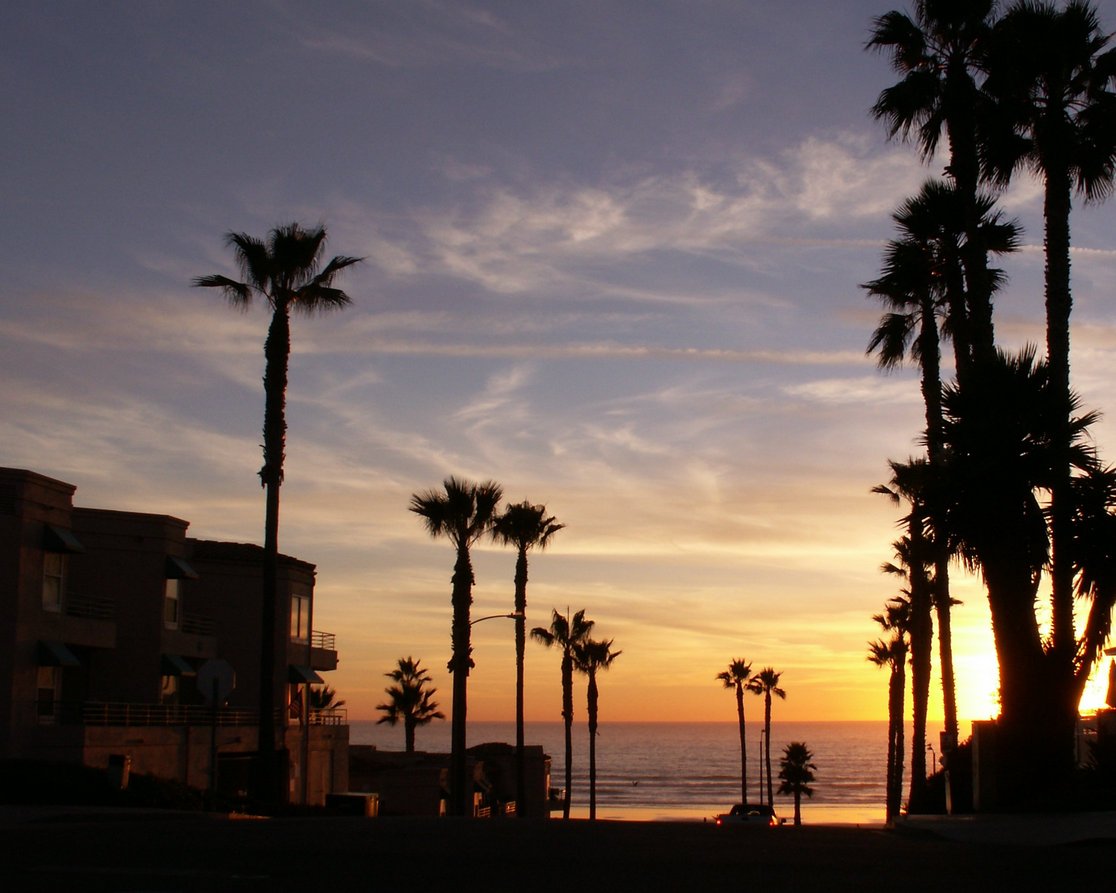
(124,642)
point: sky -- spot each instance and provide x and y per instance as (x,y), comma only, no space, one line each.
(612,257)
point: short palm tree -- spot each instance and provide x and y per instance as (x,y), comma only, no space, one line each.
(568,634)
(526,527)
(766,683)
(796,773)
(590,658)
(410,699)
(286,271)
(736,677)
(324,698)
(462,512)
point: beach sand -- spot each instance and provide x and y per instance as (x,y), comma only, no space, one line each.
(118,851)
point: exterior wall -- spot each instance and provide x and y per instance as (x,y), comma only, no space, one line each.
(126,560)
(28,503)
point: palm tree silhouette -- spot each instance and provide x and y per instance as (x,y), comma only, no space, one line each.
(526,527)
(1052,79)
(736,677)
(892,653)
(286,272)
(462,512)
(590,657)
(939,54)
(324,698)
(766,683)
(568,635)
(410,699)
(922,288)
(796,772)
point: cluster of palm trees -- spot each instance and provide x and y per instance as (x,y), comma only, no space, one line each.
(464,512)
(739,678)
(410,700)
(580,652)
(1009,485)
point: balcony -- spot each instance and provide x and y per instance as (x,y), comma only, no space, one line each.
(323,650)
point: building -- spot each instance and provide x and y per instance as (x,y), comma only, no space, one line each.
(125,642)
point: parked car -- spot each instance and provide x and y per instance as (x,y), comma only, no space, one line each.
(749,814)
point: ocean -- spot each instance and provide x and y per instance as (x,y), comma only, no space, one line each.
(690,771)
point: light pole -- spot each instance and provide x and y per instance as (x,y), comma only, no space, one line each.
(761,765)
(454,744)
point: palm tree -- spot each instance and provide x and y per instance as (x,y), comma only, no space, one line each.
(286,272)
(892,653)
(462,512)
(766,683)
(939,54)
(796,771)
(1051,77)
(914,553)
(324,698)
(736,677)
(410,699)
(526,527)
(589,658)
(568,635)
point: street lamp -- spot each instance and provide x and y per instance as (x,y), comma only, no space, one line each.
(458,758)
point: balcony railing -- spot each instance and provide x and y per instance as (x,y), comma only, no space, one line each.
(96,713)
(334,716)
(92,606)
(325,641)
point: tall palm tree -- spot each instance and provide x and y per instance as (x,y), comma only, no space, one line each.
(462,512)
(567,634)
(796,773)
(591,657)
(1052,78)
(736,677)
(922,290)
(286,272)
(939,55)
(766,683)
(526,527)
(892,653)
(410,699)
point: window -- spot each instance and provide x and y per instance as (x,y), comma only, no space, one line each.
(171,605)
(300,618)
(54,580)
(47,694)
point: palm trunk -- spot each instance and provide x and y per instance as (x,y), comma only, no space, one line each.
(767,745)
(409,734)
(460,663)
(895,746)
(520,649)
(592,709)
(743,744)
(567,718)
(797,807)
(1059,304)
(921,639)
(277,351)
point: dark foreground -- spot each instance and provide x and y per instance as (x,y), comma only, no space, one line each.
(183,852)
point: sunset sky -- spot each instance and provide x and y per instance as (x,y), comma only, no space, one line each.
(612,261)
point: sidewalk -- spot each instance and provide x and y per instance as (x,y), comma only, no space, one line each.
(1024,830)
